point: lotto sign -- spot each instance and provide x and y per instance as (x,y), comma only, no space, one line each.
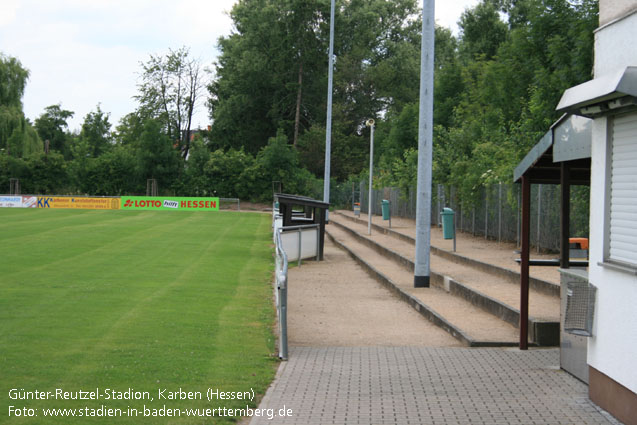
(78,203)
(173,203)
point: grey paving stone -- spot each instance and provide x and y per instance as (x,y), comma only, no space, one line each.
(428,385)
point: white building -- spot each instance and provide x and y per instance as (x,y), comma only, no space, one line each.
(611,100)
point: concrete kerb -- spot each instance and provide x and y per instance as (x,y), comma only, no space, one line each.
(512,276)
(540,332)
(426,311)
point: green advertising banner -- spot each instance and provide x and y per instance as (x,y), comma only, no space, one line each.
(169,203)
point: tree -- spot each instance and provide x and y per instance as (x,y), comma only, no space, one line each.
(170,92)
(51,125)
(129,129)
(482,31)
(157,158)
(112,173)
(13,80)
(45,174)
(278,161)
(271,74)
(224,170)
(17,137)
(96,132)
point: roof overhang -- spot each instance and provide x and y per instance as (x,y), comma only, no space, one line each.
(298,200)
(569,141)
(601,95)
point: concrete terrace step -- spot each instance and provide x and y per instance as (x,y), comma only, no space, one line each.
(512,276)
(494,294)
(468,323)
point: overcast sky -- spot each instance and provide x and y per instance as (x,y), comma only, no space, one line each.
(83,52)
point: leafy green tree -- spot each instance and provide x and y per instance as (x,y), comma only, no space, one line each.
(52,125)
(24,140)
(482,31)
(13,80)
(170,92)
(278,161)
(271,72)
(129,129)
(350,152)
(11,167)
(157,158)
(194,181)
(17,137)
(112,173)
(96,131)
(45,174)
(224,171)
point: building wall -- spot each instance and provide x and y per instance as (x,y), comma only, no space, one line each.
(613,348)
(610,10)
(615,45)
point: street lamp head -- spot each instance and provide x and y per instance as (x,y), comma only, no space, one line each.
(369,122)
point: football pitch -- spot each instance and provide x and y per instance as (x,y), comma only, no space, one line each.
(123,317)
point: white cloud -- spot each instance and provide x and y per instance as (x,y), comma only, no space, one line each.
(85,52)
(448,12)
(8,10)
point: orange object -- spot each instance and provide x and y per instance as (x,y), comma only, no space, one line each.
(583,242)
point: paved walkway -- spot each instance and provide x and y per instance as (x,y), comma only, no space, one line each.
(423,384)
(427,385)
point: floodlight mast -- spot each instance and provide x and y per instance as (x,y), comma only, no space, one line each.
(370,123)
(425,150)
(328,125)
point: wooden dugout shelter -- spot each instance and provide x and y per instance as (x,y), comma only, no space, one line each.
(562,156)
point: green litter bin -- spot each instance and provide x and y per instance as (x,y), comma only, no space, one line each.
(385,207)
(448,229)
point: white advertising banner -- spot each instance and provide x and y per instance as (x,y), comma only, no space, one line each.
(10,201)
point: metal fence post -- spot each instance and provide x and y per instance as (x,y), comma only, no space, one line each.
(486,213)
(500,212)
(438,209)
(539,215)
(300,247)
(281,276)
(283,317)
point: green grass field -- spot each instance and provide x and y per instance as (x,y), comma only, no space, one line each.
(143,300)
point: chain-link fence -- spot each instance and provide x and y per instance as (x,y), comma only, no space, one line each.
(496,214)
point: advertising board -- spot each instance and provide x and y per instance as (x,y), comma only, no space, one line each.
(10,201)
(29,202)
(84,203)
(169,203)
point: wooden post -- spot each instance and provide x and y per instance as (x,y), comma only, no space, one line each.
(524,263)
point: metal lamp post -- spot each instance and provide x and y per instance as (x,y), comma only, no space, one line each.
(370,124)
(425,143)
(328,125)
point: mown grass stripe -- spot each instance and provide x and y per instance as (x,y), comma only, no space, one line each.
(168,300)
